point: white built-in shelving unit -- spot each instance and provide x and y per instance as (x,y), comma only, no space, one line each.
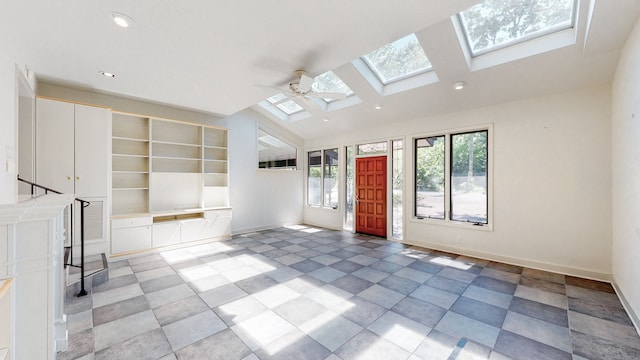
(169,183)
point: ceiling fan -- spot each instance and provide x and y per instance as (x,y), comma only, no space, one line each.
(301,88)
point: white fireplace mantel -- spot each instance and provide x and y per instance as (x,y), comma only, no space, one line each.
(32,258)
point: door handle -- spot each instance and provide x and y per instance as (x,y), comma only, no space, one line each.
(357,199)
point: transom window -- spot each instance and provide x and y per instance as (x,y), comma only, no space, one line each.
(495,24)
(288,107)
(398,60)
(329,82)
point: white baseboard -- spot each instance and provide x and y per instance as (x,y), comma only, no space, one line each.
(538,265)
(627,306)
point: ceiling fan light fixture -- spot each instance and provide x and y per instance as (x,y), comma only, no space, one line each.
(121,20)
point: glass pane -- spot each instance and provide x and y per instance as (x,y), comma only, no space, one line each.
(370,149)
(314,176)
(398,60)
(493,24)
(331,178)
(275,153)
(289,107)
(430,161)
(350,187)
(469,177)
(398,181)
(330,82)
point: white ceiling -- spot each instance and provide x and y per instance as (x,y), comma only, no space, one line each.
(210,55)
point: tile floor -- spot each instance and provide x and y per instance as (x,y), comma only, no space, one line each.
(307,293)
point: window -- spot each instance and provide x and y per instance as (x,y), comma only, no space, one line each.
(373,148)
(398,60)
(322,178)
(451,177)
(330,83)
(397,184)
(289,107)
(274,153)
(495,24)
(350,186)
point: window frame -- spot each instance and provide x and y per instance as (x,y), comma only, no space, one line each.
(323,155)
(447,221)
(520,50)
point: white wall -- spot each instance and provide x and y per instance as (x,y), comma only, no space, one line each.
(7,124)
(260,198)
(10,66)
(552,182)
(626,175)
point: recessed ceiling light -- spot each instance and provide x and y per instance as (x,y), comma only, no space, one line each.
(121,20)
(107,74)
(378,107)
(325,119)
(459,85)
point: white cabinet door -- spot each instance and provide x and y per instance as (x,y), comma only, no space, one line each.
(72,148)
(166,234)
(55,145)
(130,239)
(91,151)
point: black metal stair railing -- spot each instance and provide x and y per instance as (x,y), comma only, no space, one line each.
(83,205)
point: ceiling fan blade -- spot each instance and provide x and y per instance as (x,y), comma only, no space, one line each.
(305,83)
(327,95)
(270,87)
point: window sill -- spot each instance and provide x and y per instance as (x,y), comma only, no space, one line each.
(452,224)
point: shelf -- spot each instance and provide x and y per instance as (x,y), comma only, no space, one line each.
(215,137)
(215,153)
(176,158)
(130,163)
(176,165)
(130,155)
(178,217)
(163,165)
(175,151)
(128,147)
(129,172)
(215,167)
(125,138)
(174,132)
(131,127)
(175,143)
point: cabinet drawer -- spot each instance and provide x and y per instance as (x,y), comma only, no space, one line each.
(212,214)
(131,222)
(130,239)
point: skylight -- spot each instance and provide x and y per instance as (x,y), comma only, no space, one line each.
(330,83)
(495,24)
(398,60)
(288,107)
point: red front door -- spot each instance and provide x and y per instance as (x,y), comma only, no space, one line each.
(371,195)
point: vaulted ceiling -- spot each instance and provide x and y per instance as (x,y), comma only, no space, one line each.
(211,55)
